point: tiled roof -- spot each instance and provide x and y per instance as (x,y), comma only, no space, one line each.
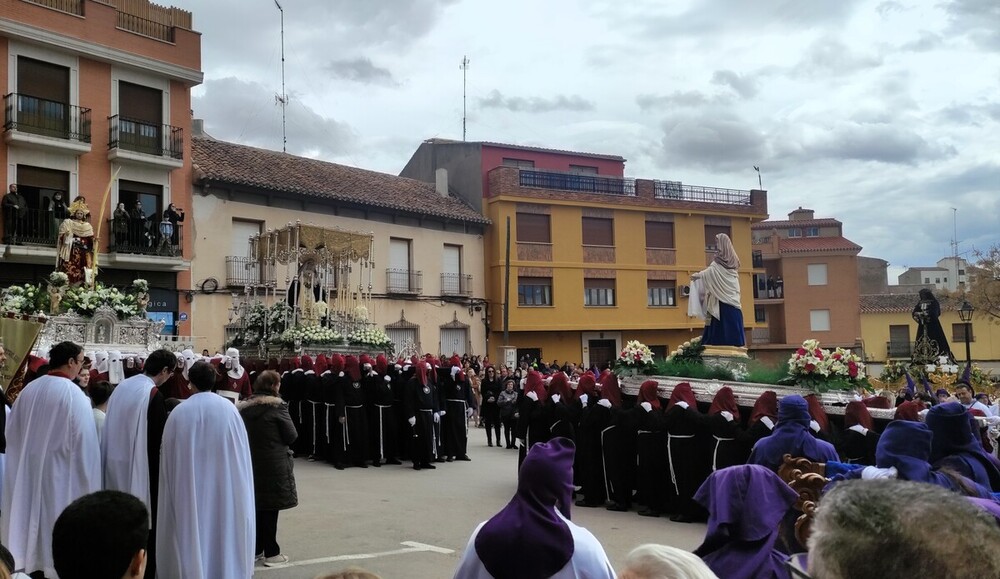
(225,162)
(785,223)
(530,148)
(806,244)
(893,303)
(932,268)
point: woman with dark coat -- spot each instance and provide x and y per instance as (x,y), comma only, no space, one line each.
(490,413)
(271,432)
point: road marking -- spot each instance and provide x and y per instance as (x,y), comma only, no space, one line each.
(409,547)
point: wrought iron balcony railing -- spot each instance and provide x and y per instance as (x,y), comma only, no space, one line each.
(145,237)
(32,227)
(244,271)
(456,284)
(403,281)
(899,349)
(577,182)
(679,191)
(47,118)
(144,137)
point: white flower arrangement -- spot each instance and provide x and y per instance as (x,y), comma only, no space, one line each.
(140,285)
(310,335)
(58,279)
(689,350)
(361,313)
(636,353)
(372,336)
(24,299)
(85,301)
(817,367)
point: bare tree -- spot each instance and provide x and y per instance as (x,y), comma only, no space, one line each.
(984,283)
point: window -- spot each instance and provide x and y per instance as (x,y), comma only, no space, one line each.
(43,97)
(961,272)
(533,228)
(598,292)
(660,352)
(819,320)
(661,293)
(452,280)
(534,291)
(812,231)
(582,170)
(816,273)
(711,231)
(519,163)
(598,231)
(927,280)
(659,235)
(140,111)
(398,276)
(958,332)
(937,280)
(759,314)
(945,280)
(794,232)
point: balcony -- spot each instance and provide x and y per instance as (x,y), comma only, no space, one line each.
(677,191)
(245,271)
(145,244)
(143,142)
(577,183)
(34,227)
(760,336)
(456,284)
(43,124)
(898,350)
(69,6)
(403,281)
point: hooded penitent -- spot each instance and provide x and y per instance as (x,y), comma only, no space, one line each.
(857,413)
(817,412)
(648,392)
(724,400)
(381,364)
(955,446)
(116,372)
(352,368)
(610,390)
(529,539)
(766,405)
(322,364)
(235,369)
(909,410)
(745,506)
(560,385)
(534,383)
(587,386)
(791,436)
(683,393)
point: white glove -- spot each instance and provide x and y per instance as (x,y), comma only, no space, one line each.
(521,441)
(387,378)
(442,413)
(923,414)
(814,425)
(682,404)
(727,415)
(647,406)
(343,419)
(412,420)
(437,417)
(859,429)
(555,398)
(604,402)
(583,399)
(874,472)
(767,422)
(468,413)
(532,395)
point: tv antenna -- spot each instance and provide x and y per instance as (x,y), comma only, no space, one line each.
(465,68)
(283,97)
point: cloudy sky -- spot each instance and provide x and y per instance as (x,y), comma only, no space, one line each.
(883,114)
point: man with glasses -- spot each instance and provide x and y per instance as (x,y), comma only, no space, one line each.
(53,458)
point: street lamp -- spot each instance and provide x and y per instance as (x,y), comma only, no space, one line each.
(965,314)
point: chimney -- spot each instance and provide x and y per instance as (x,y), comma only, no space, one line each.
(198,127)
(441,182)
(801,214)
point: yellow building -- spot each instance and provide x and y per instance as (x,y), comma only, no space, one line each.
(427,282)
(597,261)
(888,330)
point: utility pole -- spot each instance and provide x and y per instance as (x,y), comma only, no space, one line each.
(465,68)
(759,182)
(283,97)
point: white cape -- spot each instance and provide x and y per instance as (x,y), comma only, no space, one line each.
(53,458)
(206,515)
(721,285)
(694,300)
(123,447)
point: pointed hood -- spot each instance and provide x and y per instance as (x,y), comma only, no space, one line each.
(535,383)
(307,363)
(352,367)
(909,410)
(766,405)
(587,385)
(381,365)
(610,389)
(817,412)
(857,413)
(560,385)
(336,364)
(724,400)
(322,364)
(683,393)
(649,392)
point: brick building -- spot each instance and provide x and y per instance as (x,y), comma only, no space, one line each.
(95,88)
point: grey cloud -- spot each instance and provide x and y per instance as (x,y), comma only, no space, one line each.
(829,57)
(883,143)
(974,114)
(979,20)
(925,41)
(246,112)
(496,100)
(744,85)
(360,69)
(717,16)
(712,141)
(690,98)
(886,8)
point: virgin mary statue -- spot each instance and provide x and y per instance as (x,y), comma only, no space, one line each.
(720,296)
(75,245)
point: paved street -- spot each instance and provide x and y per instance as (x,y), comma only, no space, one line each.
(402,523)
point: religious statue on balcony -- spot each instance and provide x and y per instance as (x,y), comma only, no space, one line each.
(927,313)
(719,291)
(75,245)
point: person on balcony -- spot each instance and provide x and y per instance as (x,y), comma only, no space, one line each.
(720,294)
(75,245)
(120,224)
(139,226)
(174,215)
(15,208)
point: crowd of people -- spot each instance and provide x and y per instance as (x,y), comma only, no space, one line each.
(131,434)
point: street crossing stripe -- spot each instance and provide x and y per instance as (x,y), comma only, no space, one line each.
(410,547)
